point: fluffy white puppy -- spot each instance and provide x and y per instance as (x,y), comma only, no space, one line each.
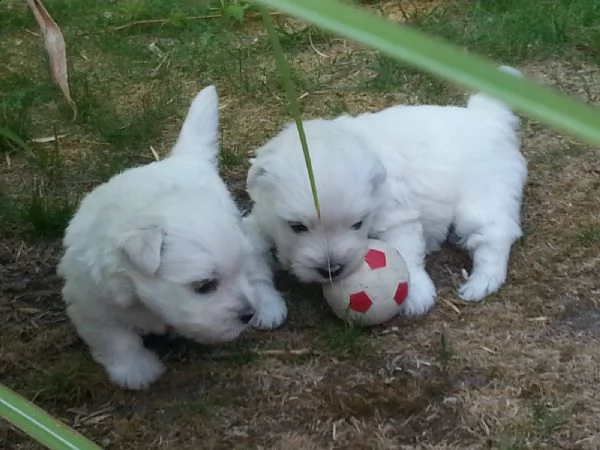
(161,246)
(406,175)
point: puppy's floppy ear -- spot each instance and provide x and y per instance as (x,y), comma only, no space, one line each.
(257,176)
(143,248)
(199,135)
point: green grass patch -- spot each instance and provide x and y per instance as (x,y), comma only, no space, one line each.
(541,425)
(589,237)
(556,159)
(45,214)
(514,30)
(344,340)
(66,379)
(394,76)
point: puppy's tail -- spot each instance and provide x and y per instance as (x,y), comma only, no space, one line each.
(491,106)
(199,135)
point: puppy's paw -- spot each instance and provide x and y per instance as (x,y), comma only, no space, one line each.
(479,286)
(271,311)
(421,296)
(136,370)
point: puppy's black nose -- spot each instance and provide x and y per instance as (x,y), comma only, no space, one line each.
(246,317)
(246,311)
(330,271)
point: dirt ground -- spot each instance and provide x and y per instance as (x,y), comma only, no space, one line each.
(520,370)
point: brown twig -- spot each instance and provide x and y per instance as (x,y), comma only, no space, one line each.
(161,22)
(312,45)
(147,22)
(403,12)
(294,352)
(451,305)
(272,352)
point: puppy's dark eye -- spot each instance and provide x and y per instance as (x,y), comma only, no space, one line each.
(298,227)
(205,286)
(357,225)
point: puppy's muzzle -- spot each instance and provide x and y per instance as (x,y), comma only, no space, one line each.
(333,270)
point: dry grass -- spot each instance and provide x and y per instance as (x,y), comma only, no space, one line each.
(517,371)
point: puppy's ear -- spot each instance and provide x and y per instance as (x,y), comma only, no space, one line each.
(257,176)
(143,248)
(199,135)
(377,175)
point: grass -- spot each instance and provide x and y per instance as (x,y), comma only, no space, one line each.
(542,424)
(449,380)
(444,351)
(590,237)
(514,31)
(46,213)
(392,76)
(342,339)
(70,377)
(561,157)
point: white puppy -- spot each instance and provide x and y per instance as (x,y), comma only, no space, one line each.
(161,246)
(406,175)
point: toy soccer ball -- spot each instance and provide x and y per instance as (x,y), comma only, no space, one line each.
(375,292)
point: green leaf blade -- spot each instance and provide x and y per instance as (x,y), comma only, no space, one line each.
(288,84)
(39,424)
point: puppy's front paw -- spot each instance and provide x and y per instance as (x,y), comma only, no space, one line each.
(421,295)
(271,311)
(135,370)
(479,286)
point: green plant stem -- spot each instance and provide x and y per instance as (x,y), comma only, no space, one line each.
(288,84)
(440,58)
(39,424)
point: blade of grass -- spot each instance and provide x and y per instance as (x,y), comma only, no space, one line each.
(445,60)
(40,425)
(8,134)
(15,139)
(288,83)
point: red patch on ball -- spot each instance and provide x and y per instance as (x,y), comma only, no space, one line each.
(375,259)
(401,292)
(360,302)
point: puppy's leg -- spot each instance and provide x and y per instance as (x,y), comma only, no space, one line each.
(409,240)
(271,310)
(435,235)
(259,240)
(489,246)
(118,348)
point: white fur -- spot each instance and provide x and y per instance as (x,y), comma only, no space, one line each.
(409,173)
(141,242)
